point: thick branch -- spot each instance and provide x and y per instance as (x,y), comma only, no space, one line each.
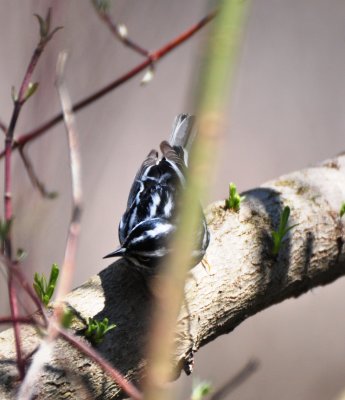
(244,278)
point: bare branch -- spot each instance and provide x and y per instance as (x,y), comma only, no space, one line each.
(45,350)
(245,373)
(26,90)
(120,32)
(3,127)
(36,183)
(75,165)
(154,57)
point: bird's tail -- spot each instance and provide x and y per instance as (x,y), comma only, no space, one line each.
(183,131)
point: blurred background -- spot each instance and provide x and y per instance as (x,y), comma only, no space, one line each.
(286,112)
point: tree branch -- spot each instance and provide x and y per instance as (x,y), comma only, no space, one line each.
(153,57)
(244,278)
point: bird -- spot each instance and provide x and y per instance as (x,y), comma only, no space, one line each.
(152,213)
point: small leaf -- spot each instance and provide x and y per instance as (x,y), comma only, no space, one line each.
(201,390)
(67,317)
(283,229)
(14,94)
(38,290)
(43,289)
(147,77)
(32,87)
(46,299)
(52,33)
(285,217)
(233,202)
(52,195)
(96,330)
(102,6)
(54,274)
(122,31)
(21,254)
(342,209)
(45,33)
(42,25)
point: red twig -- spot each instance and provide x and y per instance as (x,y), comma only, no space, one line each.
(16,327)
(45,349)
(25,91)
(22,320)
(153,57)
(29,290)
(18,103)
(123,383)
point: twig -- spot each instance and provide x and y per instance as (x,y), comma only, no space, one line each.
(16,327)
(3,127)
(123,383)
(29,290)
(154,57)
(25,92)
(47,345)
(74,153)
(237,380)
(22,320)
(36,183)
(120,32)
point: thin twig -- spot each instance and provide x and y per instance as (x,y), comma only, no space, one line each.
(16,327)
(67,271)
(29,290)
(154,57)
(246,372)
(120,32)
(123,383)
(22,320)
(25,92)
(3,127)
(70,253)
(36,183)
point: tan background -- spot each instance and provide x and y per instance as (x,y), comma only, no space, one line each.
(287,112)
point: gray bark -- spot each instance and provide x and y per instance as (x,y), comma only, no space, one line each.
(243,279)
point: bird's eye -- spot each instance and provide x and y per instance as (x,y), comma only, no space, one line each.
(143,259)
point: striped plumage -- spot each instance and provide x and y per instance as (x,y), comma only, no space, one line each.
(151,216)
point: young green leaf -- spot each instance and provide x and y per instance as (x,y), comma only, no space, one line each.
(342,209)
(5,227)
(32,87)
(44,23)
(67,317)
(200,390)
(233,202)
(44,289)
(102,6)
(283,229)
(96,330)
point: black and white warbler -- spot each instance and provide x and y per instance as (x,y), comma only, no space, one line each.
(152,210)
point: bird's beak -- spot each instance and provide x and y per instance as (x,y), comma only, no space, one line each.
(117,253)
